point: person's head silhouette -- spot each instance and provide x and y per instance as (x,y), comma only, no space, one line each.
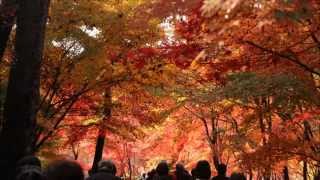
(203,170)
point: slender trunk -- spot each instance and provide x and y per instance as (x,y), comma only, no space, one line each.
(130,168)
(102,130)
(99,149)
(23,87)
(75,151)
(214,141)
(267,176)
(216,161)
(285,173)
(259,175)
(307,137)
(250,175)
(305,170)
(8,10)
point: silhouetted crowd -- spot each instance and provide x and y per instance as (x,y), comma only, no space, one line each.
(202,171)
(29,168)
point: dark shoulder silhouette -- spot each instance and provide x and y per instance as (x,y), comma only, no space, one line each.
(64,170)
(202,170)
(237,176)
(29,168)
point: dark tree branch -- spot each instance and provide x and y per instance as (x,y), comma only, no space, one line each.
(204,122)
(56,125)
(290,57)
(68,105)
(315,39)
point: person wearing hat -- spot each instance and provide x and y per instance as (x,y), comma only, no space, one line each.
(106,171)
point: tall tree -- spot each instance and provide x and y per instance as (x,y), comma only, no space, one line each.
(102,129)
(22,98)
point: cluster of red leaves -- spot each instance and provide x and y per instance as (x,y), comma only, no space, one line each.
(189,28)
(181,55)
(140,56)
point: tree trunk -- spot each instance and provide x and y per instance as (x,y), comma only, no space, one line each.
(307,137)
(8,10)
(250,175)
(216,161)
(99,149)
(23,87)
(102,130)
(130,168)
(305,170)
(285,173)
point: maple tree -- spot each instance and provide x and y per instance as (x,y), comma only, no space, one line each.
(232,49)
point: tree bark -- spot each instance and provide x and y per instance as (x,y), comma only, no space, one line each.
(130,169)
(250,175)
(305,170)
(23,86)
(102,130)
(285,173)
(307,137)
(99,149)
